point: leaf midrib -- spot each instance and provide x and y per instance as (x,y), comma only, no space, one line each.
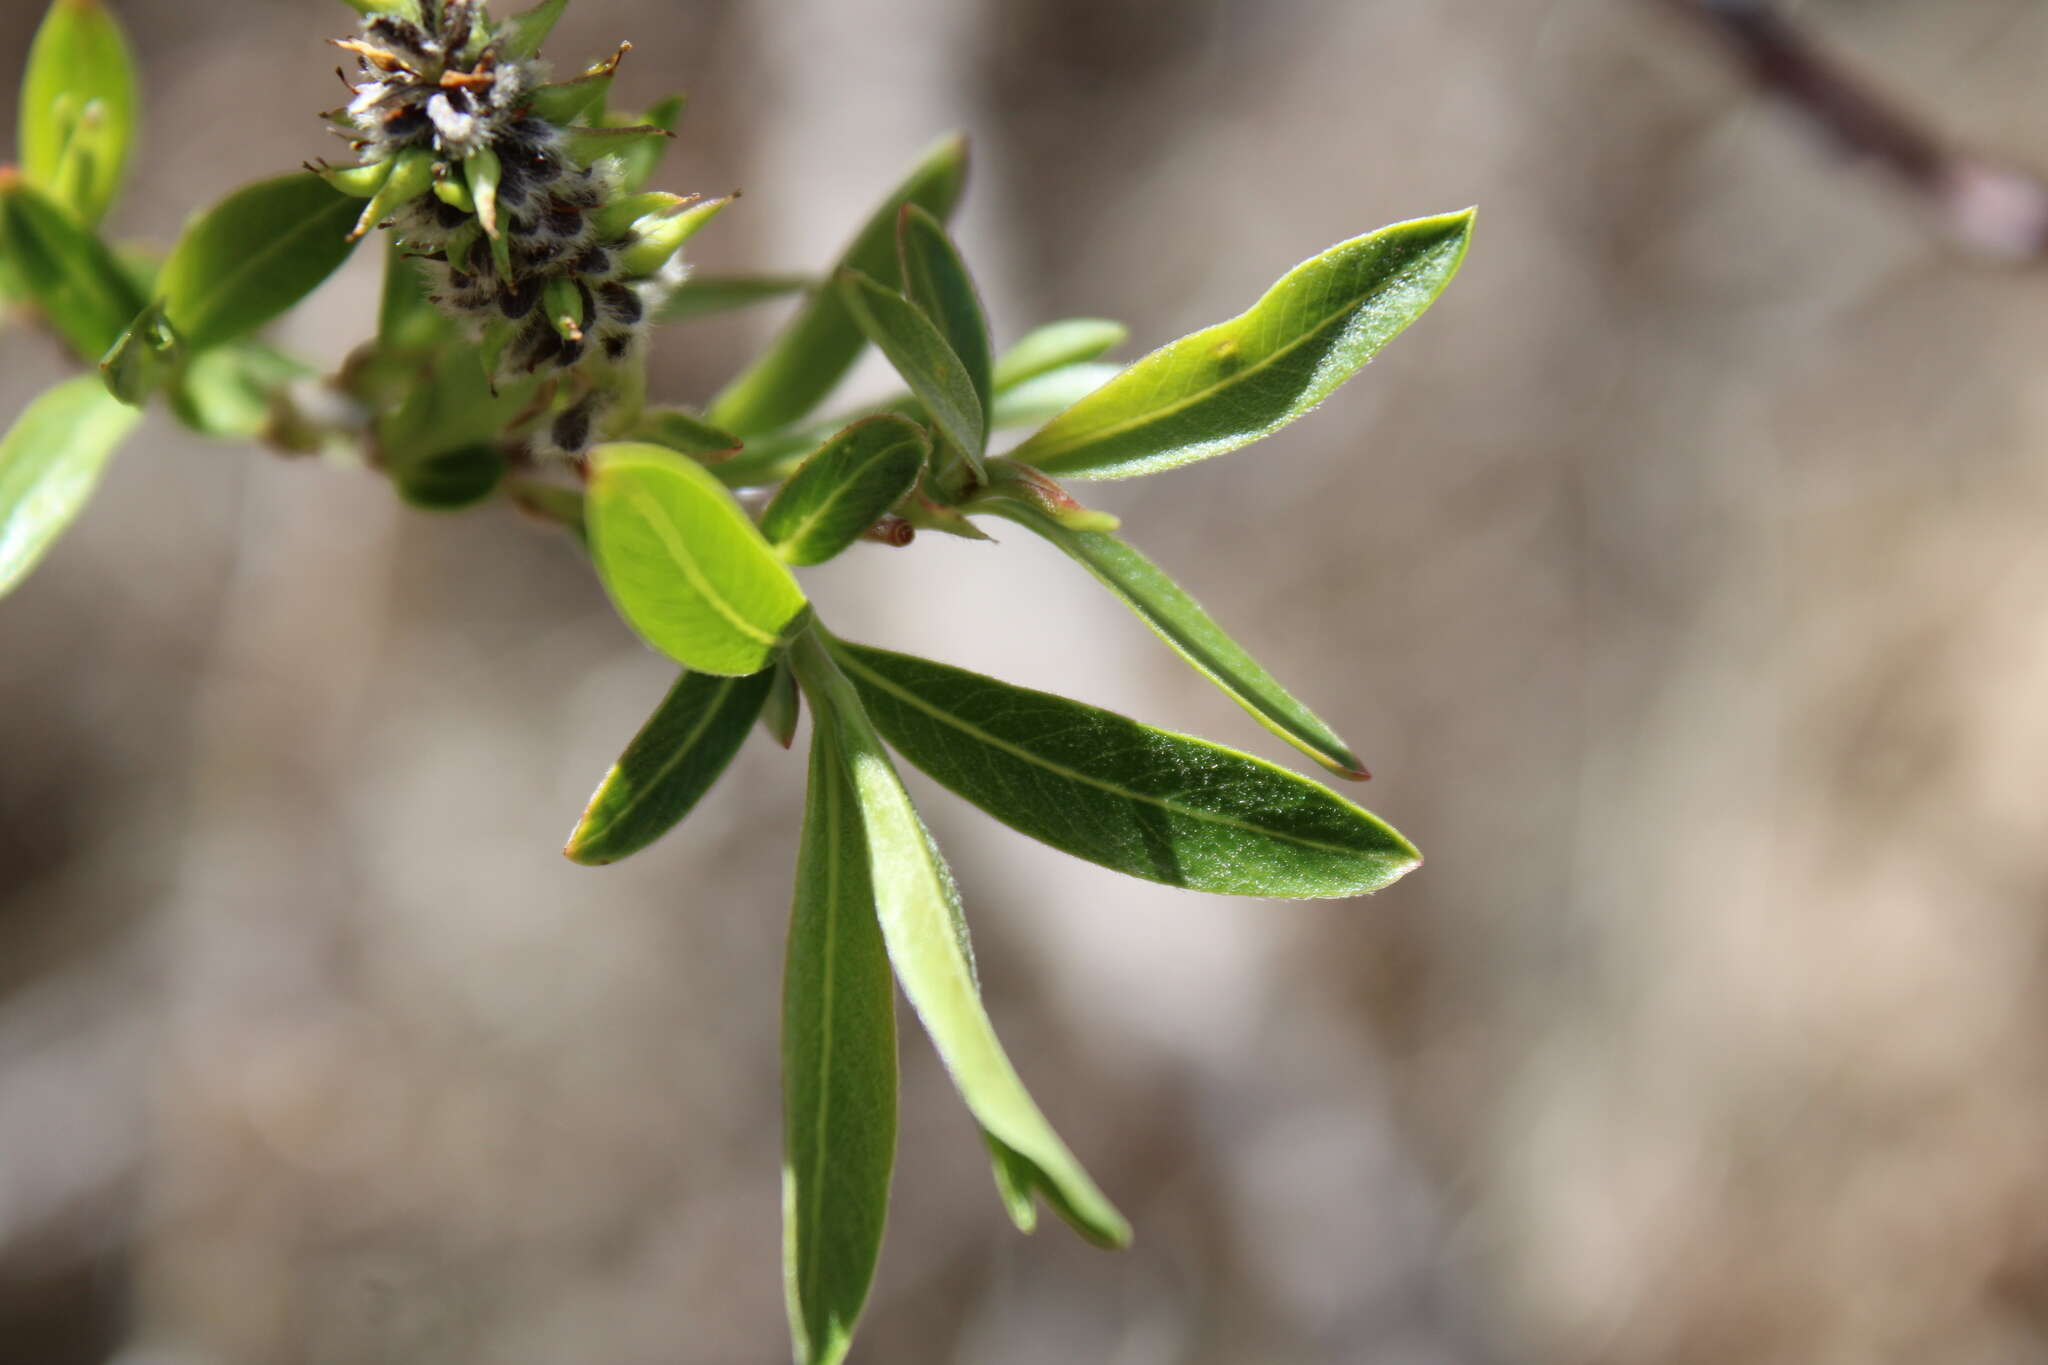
(1173,807)
(794,538)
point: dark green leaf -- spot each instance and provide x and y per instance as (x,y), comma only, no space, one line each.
(450,480)
(844,488)
(50,462)
(670,764)
(703,295)
(1170,808)
(78,108)
(1233,383)
(1180,621)
(936,280)
(920,354)
(253,255)
(523,34)
(926,936)
(1055,346)
(784,707)
(685,432)
(838,1071)
(78,283)
(684,565)
(820,344)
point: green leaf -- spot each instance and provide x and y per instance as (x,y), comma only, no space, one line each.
(844,488)
(926,936)
(936,280)
(50,462)
(670,764)
(142,358)
(640,159)
(838,1070)
(936,375)
(684,566)
(80,286)
(1166,807)
(78,106)
(1043,397)
(253,255)
(227,391)
(1055,346)
(1233,383)
(784,707)
(1181,621)
(704,295)
(820,344)
(522,34)
(685,432)
(450,480)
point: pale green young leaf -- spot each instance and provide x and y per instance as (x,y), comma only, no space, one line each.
(926,936)
(1182,622)
(1151,803)
(670,764)
(227,391)
(79,285)
(838,1070)
(1056,346)
(914,345)
(78,108)
(820,344)
(253,255)
(145,355)
(705,295)
(684,565)
(936,280)
(1233,383)
(640,159)
(844,488)
(1037,400)
(50,462)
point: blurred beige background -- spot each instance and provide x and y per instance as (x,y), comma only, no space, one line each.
(1682,576)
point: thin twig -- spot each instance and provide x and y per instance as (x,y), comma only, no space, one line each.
(1989,208)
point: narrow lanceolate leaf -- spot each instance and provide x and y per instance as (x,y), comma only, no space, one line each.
(670,764)
(1181,621)
(820,344)
(914,345)
(49,464)
(82,290)
(838,1071)
(843,489)
(704,295)
(1167,807)
(78,107)
(684,565)
(1055,345)
(253,255)
(1037,400)
(936,280)
(685,432)
(1233,383)
(926,936)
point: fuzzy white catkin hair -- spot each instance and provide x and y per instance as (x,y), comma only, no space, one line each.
(443,90)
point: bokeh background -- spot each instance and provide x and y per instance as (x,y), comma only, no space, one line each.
(1682,576)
